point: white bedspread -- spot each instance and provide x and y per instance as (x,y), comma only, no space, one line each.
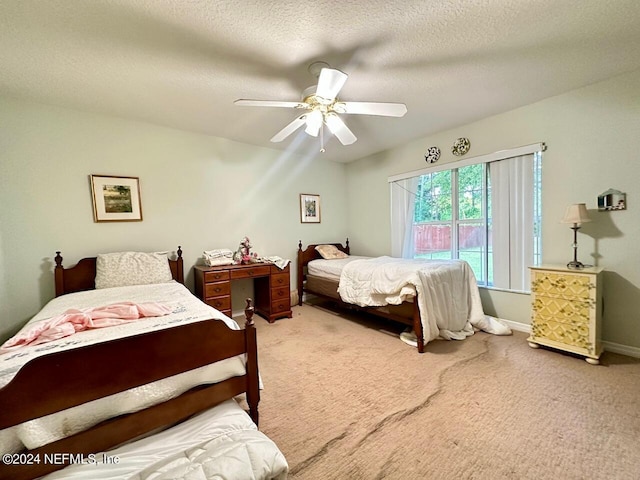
(186,308)
(447,293)
(330,269)
(220,443)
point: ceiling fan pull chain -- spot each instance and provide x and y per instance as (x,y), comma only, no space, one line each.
(322,138)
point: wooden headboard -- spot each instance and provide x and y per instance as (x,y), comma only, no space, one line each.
(82,276)
(308,254)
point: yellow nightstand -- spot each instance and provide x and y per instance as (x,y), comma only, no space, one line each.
(566,310)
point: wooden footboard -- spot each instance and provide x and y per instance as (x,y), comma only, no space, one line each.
(408,316)
(57,381)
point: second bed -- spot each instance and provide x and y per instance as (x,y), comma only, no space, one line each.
(434,298)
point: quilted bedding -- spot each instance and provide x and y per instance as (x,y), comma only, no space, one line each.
(185,307)
(220,443)
(446,290)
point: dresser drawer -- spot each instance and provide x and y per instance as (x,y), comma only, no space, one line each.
(560,284)
(221,303)
(577,310)
(563,333)
(280,293)
(216,289)
(278,306)
(259,271)
(280,280)
(216,276)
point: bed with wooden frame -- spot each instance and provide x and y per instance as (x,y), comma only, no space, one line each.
(43,385)
(407,313)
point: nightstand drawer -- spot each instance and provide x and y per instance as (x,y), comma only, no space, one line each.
(280,280)
(280,306)
(250,272)
(563,310)
(216,276)
(220,303)
(564,333)
(558,284)
(280,293)
(217,289)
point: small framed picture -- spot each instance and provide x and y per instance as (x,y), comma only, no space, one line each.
(116,199)
(309,208)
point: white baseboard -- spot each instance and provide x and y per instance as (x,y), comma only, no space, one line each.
(621,349)
(517,326)
(608,346)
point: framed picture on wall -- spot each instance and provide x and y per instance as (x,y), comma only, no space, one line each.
(309,208)
(116,199)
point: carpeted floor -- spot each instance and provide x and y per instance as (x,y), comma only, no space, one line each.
(344,398)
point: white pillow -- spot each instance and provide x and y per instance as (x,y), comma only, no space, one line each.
(131,268)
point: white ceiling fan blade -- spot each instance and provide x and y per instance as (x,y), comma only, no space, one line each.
(372,108)
(339,129)
(269,103)
(289,129)
(330,82)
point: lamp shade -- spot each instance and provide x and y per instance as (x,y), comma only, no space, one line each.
(576,213)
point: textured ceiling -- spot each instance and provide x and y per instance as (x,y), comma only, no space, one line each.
(182,63)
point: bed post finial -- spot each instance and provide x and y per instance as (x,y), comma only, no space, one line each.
(58,274)
(179,252)
(347,246)
(300,245)
(248,313)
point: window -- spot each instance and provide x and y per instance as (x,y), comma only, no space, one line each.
(485,212)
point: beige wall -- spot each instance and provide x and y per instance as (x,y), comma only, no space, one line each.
(593,141)
(199,192)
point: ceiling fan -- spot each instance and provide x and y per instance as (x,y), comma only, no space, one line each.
(322,107)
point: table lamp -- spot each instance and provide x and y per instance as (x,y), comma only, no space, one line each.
(577,215)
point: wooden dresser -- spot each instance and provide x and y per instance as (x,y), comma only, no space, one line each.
(271,288)
(566,310)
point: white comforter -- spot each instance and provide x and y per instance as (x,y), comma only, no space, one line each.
(186,308)
(447,293)
(220,443)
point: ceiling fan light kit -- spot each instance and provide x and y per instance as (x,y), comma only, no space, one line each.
(323,107)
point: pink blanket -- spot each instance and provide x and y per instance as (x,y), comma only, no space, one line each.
(73,321)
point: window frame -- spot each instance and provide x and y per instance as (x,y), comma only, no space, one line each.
(455,222)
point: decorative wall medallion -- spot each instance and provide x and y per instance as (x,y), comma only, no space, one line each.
(461,146)
(433,154)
